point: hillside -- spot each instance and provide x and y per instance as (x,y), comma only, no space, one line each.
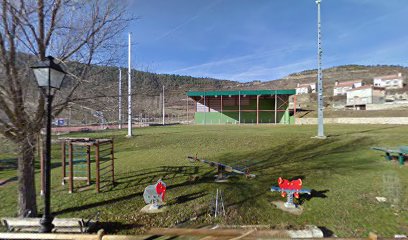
(101,92)
(340,73)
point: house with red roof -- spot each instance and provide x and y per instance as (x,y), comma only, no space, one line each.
(341,88)
(305,88)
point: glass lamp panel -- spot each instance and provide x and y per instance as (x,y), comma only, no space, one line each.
(56,78)
(41,75)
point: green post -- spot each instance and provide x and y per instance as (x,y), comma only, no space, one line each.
(401,158)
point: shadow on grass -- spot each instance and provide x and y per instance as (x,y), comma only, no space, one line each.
(363,131)
(327,233)
(8,164)
(8,180)
(299,159)
(188,197)
(115,227)
(98,204)
(151,175)
(311,156)
(206,178)
(314,194)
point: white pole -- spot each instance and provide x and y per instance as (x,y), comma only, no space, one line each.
(239,107)
(205,111)
(320,130)
(163,105)
(120,99)
(276,106)
(129,91)
(187,109)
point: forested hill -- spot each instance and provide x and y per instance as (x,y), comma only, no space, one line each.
(102,89)
(147,83)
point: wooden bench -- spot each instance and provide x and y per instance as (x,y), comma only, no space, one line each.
(61,225)
(400,153)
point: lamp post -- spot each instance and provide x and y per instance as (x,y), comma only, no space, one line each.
(49,76)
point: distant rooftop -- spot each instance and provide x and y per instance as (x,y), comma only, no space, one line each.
(305,85)
(348,83)
(388,77)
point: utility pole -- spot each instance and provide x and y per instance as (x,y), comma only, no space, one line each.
(129,91)
(120,99)
(187,109)
(163,105)
(320,130)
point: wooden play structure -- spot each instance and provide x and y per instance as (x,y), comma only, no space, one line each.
(76,158)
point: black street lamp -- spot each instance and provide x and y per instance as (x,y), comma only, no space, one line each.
(49,76)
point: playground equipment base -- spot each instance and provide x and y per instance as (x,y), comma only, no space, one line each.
(150,208)
(296,210)
(222,180)
(319,137)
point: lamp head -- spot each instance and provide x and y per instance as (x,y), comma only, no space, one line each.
(49,75)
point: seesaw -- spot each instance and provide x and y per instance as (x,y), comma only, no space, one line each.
(222,168)
(290,189)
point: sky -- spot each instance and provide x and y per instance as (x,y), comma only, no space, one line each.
(246,40)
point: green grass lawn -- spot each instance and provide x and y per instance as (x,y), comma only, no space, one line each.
(342,169)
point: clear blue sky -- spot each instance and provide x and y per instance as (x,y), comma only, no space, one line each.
(246,40)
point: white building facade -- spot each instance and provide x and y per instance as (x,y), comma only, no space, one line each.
(341,88)
(364,95)
(389,82)
(305,88)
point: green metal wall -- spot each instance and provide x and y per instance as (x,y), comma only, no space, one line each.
(227,117)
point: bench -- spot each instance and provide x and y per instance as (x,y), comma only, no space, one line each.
(61,225)
(400,153)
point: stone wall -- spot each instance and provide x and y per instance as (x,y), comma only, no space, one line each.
(378,120)
(394,105)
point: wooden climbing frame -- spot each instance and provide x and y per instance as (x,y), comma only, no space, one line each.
(101,153)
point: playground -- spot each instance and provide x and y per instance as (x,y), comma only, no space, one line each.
(343,173)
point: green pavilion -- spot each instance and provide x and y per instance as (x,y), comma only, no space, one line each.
(244,106)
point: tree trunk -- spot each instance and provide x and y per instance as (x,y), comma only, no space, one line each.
(26,177)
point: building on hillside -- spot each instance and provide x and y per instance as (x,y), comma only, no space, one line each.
(358,98)
(399,96)
(244,106)
(305,88)
(394,81)
(341,88)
